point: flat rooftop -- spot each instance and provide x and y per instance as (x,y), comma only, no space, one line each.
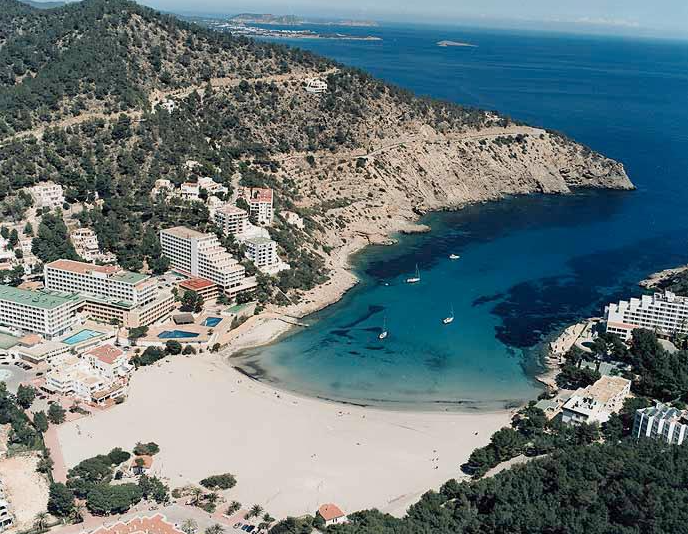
(184,232)
(129,277)
(259,240)
(82,267)
(37,299)
(196,283)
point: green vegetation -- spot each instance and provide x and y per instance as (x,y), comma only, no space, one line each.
(219,482)
(24,433)
(56,414)
(149,449)
(60,500)
(52,241)
(191,302)
(622,489)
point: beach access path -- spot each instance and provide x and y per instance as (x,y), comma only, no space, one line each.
(289,453)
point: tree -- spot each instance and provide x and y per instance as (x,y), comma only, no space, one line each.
(56,414)
(40,421)
(188,349)
(137,333)
(52,241)
(25,396)
(255,510)
(104,499)
(196,495)
(146,449)
(153,488)
(219,482)
(77,514)
(189,526)
(191,302)
(233,508)
(40,522)
(60,500)
(173,347)
(215,529)
(118,456)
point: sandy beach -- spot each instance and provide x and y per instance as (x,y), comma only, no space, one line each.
(289,453)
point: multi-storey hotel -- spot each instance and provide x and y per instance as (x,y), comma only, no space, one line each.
(196,254)
(665,312)
(46,313)
(261,251)
(260,203)
(232,220)
(111,293)
(48,194)
(661,422)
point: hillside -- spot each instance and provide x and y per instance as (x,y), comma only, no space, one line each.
(79,88)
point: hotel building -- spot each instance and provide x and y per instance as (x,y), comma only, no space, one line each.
(46,313)
(665,312)
(200,255)
(261,251)
(232,220)
(597,402)
(48,194)
(661,422)
(111,293)
(259,201)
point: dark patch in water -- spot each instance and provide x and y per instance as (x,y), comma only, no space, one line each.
(374,348)
(340,333)
(354,352)
(372,310)
(487,299)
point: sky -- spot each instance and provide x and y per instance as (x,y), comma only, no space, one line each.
(634,17)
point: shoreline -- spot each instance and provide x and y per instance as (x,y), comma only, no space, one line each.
(311,450)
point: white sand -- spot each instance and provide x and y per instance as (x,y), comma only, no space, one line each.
(290,454)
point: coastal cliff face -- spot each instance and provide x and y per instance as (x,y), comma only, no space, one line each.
(387,188)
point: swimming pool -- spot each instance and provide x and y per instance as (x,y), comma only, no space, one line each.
(212,321)
(176,334)
(83,335)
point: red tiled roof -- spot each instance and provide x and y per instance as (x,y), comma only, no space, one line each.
(147,461)
(156,524)
(194,284)
(330,511)
(106,353)
(623,325)
(261,194)
(30,340)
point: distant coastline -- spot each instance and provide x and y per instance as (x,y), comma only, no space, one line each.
(248,30)
(456,43)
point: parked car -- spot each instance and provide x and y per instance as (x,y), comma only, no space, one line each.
(237,525)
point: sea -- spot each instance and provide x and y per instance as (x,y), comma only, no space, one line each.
(528,266)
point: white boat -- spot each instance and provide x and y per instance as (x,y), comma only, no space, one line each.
(450,319)
(454,256)
(384,332)
(414,279)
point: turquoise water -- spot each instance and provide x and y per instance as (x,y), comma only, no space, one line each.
(83,335)
(528,265)
(212,321)
(176,334)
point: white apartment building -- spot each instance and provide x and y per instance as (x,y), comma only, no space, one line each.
(5,515)
(105,281)
(48,195)
(261,251)
(211,186)
(597,402)
(259,201)
(48,314)
(85,243)
(232,220)
(665,312)
(74,377)
(162,185)
(201,255)
(190,191)
(661,422)
(108,361)
(315,85)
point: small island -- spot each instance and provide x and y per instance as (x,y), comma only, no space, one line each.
(456,43)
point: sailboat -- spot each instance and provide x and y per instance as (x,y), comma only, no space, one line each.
(384,332)
(449,319)
(454,256)
(414,279)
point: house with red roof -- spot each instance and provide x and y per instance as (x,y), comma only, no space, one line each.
(109,361)
(332,514)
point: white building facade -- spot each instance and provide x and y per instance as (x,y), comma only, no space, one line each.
(48,195)
(663,423)
(232,220)
(259,200)
(596,403)
(201,255)
(665,312)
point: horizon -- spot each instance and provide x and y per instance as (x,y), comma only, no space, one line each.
(622,22)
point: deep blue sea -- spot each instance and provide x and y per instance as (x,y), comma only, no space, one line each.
(528,265)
